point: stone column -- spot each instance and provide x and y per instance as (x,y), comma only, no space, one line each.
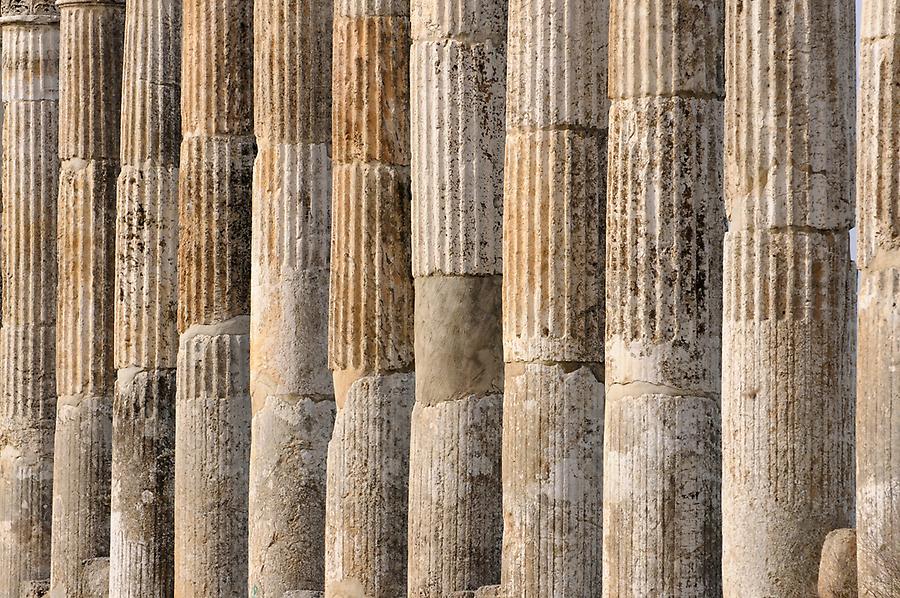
(92,33)
(290,384)
(789,292)
(143,453)
(30,171)
(878,217)
(212,432)
(665,223)
(371,309)
(458,77)
(553,302)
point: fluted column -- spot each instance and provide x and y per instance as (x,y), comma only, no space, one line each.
(553,301)
(371,305)
(789,292)
(30,171)
(90,93)
(290,384)
(143,453)
(878,218)
(212,435)
(458,77)
(665,223)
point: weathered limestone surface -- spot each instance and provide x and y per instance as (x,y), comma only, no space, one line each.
(458,60)
(371,303)
(555,179)
(290,384)
(789,292)
(142,526)
(30,171)
(665,224)
(212,432)
(878,217)
(837,566)
(92,34)
(35,588)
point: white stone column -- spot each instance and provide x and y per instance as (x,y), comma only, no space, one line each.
(665,224)
(30,174)
(878,218)
(290,384)
(371,305)
(789,292)
(458,76)
(91,41)
(212,415)
(553,320)
(142,550)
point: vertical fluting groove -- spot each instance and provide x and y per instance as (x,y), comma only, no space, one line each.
(665,226)
(457,77)
(553,297)
(788,376)
(142,521)
(30,171)
(370,333)
(290,384)
(213,412)
(91,40)
(878,218)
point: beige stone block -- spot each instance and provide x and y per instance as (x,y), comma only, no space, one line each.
(837,570)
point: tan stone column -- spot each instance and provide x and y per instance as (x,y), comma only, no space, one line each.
(665,223)
(553,303)
(143,453)
(458,77)
(371,305)
(291,387)
(878,217)
(789,292)
(212,433)
(92,34)
(30,171)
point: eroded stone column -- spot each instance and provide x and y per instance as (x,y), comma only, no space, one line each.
(878,217)
(553,302)
(789,292)
(92,34)
(30,171)
(291,387)
(458,80)
(371,305)
(143,454)
(212,432)
(665,223)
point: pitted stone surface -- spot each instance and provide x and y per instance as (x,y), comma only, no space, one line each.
(213,414)
(28,265)
(837,568)
(290,384)
(665,225)
(92,38)
(878,218)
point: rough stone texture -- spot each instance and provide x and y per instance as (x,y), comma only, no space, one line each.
(142,523)
(457,74)
(290,384)
(304,594)
(213,411)
(91,40)
(789,292)
(371,302)
(35,589)
(878,217)
(837,568)
(30,170)
(665,223)
(95,579)
(553,321)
